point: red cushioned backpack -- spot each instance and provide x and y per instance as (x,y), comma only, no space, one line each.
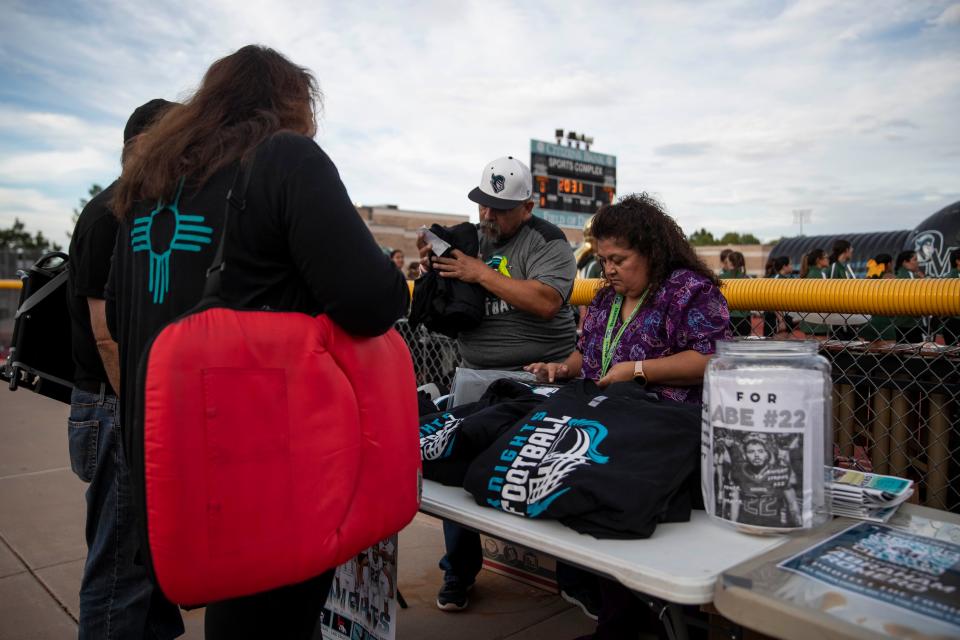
(274,446)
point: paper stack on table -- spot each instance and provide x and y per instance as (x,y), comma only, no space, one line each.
(866,496)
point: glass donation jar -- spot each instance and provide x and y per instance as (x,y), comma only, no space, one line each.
(767,440)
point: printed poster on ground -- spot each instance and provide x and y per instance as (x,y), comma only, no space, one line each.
(362,603)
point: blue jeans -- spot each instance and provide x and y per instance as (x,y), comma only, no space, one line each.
(117,598)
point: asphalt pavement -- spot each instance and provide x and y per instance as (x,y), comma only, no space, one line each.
(42,552)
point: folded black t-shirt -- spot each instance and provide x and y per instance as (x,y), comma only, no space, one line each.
(607,462)
(450,440)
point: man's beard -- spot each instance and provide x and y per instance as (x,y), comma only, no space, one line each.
(490,229)
(755,469)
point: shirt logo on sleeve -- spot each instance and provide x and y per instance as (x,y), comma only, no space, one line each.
(500,264)
(189,234)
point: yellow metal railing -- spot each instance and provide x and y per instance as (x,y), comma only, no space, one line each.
(929,297)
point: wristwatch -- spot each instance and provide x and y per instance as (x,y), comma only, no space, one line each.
(638,376)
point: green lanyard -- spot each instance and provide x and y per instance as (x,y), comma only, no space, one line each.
(606,356)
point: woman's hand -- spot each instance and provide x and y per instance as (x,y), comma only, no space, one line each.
(621,372)
(548,371)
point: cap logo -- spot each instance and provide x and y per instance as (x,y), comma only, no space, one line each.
(498,183)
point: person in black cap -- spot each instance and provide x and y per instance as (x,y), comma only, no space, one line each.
(117,598)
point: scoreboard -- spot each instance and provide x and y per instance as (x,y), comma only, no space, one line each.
(569,184)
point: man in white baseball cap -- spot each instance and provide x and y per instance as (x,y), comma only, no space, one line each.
(527,267)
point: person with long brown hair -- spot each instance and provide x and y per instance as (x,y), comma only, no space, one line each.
(254,115)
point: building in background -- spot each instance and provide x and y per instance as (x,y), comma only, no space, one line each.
(396,228)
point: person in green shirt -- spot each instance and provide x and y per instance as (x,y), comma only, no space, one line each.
(955,263)
(840,255)
(814,264)
(908,328)
(777,321)
(879,327)
(734,266)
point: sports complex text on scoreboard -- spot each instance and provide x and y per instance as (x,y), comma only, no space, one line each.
(570,184)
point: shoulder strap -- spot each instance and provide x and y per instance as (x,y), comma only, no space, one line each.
(41,294)
(236,200)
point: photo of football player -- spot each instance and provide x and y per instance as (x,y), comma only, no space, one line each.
(761,488)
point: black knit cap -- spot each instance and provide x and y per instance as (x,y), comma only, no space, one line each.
(143,117)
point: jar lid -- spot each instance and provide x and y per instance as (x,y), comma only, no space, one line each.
(767,348)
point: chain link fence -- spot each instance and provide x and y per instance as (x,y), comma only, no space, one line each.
(896,392)
(896,386)
(435,356)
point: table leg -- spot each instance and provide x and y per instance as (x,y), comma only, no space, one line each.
(938,452)
(880,432)
(677,625)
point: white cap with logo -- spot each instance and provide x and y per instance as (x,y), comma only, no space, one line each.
(504,184)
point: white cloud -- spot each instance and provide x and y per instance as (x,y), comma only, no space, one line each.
(949,17)
(38,211)
(735,112)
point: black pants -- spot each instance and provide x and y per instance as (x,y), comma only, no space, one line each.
(288,613)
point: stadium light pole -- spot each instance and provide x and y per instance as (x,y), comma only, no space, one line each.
(800,216)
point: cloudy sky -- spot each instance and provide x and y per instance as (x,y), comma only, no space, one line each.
(733,113)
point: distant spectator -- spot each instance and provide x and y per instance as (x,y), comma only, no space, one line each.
(908,265)
(880,267)
(724,261)
(768,269)
(840,255)
(775,322)
(814,264)
(908,328)
(879,327)
(397,256)
(955,263)
(734,268)
(413,271)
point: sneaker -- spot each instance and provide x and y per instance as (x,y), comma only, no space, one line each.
(585,599)
(453,596)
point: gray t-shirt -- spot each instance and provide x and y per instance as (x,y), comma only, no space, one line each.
(509,338)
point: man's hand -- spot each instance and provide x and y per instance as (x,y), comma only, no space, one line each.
(622,372)
(548,371)
(462,267)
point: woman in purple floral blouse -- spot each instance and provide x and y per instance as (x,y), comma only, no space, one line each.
(656,322)
(659,317)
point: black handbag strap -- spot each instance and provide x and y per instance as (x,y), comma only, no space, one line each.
(41,294)
(236,200)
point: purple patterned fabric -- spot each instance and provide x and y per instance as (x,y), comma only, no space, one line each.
(688,312)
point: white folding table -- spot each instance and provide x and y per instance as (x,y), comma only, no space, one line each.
(680,563)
